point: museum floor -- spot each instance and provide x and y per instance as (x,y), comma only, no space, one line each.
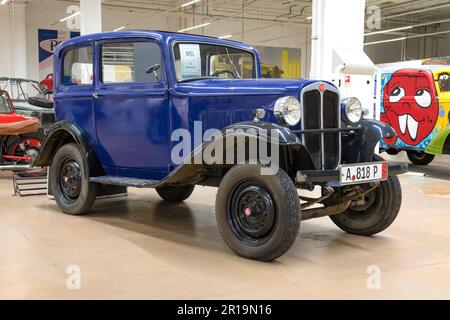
(142,247)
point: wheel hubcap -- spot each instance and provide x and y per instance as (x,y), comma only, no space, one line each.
(252,213)
(70,179)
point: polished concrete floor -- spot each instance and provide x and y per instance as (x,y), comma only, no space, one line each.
(143,248)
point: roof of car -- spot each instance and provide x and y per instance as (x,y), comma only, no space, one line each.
(161,35)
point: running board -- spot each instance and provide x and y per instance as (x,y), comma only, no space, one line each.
(125,181)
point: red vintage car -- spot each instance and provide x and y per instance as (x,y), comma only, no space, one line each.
(19,135)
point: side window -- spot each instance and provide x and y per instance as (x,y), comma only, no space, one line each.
(78,67)
(444,82)
(131,62)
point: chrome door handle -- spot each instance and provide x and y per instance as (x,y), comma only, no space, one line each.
(95,95)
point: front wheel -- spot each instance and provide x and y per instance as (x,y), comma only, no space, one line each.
(257,215)
(71,188)
(420,158)
(379,211)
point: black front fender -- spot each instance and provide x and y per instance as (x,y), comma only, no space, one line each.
(359,146)
(62,133)
(293,155)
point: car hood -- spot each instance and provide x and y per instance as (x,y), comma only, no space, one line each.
(244,86)
(218,103)
(24,107)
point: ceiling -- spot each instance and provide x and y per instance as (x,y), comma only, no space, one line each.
(394,13)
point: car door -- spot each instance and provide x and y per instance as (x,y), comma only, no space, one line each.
(73,92)
(132,109)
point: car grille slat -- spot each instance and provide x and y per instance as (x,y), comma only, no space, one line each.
(323,147)
(311,120)
(331,120)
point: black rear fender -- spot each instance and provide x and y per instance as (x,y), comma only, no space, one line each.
(62,133)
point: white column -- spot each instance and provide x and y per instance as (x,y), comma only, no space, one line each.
(18,40)
(335,25)
(91,16)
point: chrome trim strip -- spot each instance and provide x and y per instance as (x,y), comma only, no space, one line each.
(322,135)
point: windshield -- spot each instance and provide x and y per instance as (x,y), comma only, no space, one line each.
(5,107)
(21,90)
(202,60)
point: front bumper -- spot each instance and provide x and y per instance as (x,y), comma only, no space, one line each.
(333,176)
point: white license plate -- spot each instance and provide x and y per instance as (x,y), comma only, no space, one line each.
(364,172)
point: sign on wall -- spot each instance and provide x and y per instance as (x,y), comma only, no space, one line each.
(48,41)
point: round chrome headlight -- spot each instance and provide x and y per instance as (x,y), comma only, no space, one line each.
(352,109)
(288,110)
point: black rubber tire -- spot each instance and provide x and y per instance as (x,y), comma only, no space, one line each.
(14,139)
(41,102)
(392,152)
(287,204)
(378,216)
(88,190)
(420,158)
(176,194)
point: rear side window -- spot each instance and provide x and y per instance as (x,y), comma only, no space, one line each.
(131,62)
(78,67)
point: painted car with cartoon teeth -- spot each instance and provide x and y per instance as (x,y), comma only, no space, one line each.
(120,98)
(416,103)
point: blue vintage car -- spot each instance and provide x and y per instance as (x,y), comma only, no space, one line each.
(171,111)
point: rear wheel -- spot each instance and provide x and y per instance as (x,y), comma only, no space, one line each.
(69,178)
(175,194)
(420,158)
(380,209)
(31,144)
(258,216)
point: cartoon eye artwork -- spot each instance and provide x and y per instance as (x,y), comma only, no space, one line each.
(423,98)
(396,95)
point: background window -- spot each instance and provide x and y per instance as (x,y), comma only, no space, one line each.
(78,66)
(194,60)
(130,62)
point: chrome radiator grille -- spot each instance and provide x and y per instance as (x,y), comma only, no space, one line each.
(321,111)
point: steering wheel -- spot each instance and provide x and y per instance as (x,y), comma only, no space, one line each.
(215,74)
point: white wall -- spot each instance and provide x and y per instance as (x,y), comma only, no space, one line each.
(5,46)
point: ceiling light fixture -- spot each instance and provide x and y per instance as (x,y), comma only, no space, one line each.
(225,36)
(189,3)
(120,28)
(409,37)
(4,2)
(388,30)
(70,17)
(309,18)
(384,41)
(195,27)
